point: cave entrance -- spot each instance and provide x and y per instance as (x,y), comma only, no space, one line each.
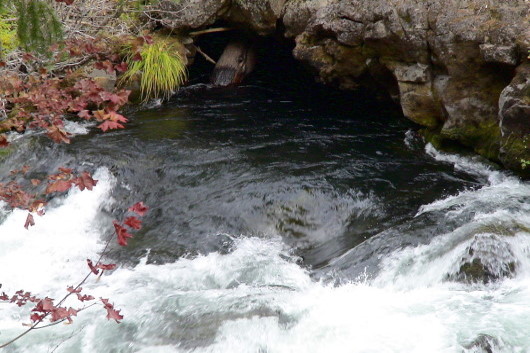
(276,69)
(274,60)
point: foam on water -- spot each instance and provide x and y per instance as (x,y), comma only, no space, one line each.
(257,298)
(472,165)
(50,255)
(72,127)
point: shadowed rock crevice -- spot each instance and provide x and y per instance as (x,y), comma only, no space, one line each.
(459,68)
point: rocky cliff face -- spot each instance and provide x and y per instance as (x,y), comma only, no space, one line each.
(458,67)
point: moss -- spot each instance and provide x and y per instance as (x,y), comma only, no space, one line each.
(476,272)
(425,120)
(512,151)
(407,17)
(435,138)
(515,153)
(8,34)
(484,138)
(4,152)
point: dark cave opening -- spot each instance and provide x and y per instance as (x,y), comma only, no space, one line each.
(277,69)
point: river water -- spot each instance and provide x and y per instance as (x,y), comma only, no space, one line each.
(282,220)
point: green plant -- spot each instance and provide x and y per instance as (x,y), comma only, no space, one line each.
(8,34)
(525,163)
(160,68)
(37,25)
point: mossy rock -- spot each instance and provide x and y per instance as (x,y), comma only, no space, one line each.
(476,272)
(483,138)
(487,259)
(515,154)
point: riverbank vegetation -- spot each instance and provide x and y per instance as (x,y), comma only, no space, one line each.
(159,68)
(68,40)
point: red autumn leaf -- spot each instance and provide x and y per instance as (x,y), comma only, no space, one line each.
(62,313)
(106,266)
(3,141)
(139,208)
(44,305)
(119,98)
(71,289)
(4,296)
(72,312)
(148,39)
(104,65)
(74,51)
(133,222)
(27,57)
(66,170)
(22,170)
(85,114)
(111,312)
(59,186)
(122,234)
(137,57)
(84,297)
(58,135)
(100,115)
(91,266)
(29,221)
(112,115)
(37,206)
(85,181)
(121,67)
(3,64)
(35,182)
(36,317)
(110,125)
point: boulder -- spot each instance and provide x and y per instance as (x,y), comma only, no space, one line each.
(488,258)
(483,344)
(514,121)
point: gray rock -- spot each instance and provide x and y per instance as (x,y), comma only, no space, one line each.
(483,344)
(450,63)
(418,73)
(489,258)
(504,54)
(189,14)
(103,79)
(514,120)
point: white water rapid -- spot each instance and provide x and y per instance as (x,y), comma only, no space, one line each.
(257,298)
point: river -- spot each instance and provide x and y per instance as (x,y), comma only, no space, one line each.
(282,219)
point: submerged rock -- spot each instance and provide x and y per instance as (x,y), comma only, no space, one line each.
(483,344)
(487,259)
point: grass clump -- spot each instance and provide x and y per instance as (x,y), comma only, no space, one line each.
(8,32)
(160,69)
(8,36)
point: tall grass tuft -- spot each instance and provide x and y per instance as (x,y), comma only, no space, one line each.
(161,70)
